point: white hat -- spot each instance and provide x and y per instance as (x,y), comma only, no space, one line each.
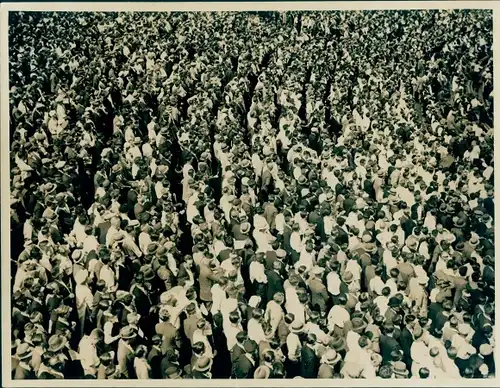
(464,329)
(317,270)
(254,301)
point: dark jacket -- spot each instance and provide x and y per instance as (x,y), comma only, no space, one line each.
(141,300)
(387,346)
(236,352)
(274,284)
(319,294)
(243,368)
(309,363)
(406,340)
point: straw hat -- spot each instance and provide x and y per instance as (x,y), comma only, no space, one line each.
(57,343)
(262,372)
(23,351)
(297,327)
(204,364)
(332,357)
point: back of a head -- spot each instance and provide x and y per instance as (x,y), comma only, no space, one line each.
(199,347)
(424,373)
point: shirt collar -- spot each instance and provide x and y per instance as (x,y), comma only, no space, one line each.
(250,358)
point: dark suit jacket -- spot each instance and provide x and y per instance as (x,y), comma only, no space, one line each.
(236,352)
(406,340)
(142,301)
(155,359)
(319,294)
(190,325)
(270,213)
(274,284)
(198,375)
(125,358)
(270,258)
(206,279)
(243,368)
(164,365)
(287,234)
(387,346)
(309,363)
(168,333)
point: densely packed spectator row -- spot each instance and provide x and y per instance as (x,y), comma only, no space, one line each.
(252,195)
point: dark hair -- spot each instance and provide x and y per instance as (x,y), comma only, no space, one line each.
(199,347)
(241,337)
(423,373)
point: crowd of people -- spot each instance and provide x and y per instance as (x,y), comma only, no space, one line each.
(252,195)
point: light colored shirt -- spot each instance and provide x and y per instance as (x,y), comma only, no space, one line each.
(142,368)
(107,275)
(218,298)
(198,336)
(333,283)
(83,296)
(464,348)
(88,355)
(274,314)
(338,315)
(230,332)
(257,272)
(294,346)
(255,331)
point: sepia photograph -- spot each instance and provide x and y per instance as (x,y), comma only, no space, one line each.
(272,194)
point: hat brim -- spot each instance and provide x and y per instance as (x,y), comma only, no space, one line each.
(335,361)
(25,356)
(339,346)
(56,348)
(360,328)
(175,375)
(206,368)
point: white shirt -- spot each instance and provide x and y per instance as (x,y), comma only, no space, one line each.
(338,315)
(83,296)
(198,336)
(88,355)
(255,331)
(389,261)
(107,275)
(142,368)
(274,314)
(333,283)
(294,346)
(144,241)
(306,259)
(464,349)
(230,331)
(78,232)
(108,328)
(314,328)
(218,298)
(376,285)
(90,243)
(353,267)
(257,272)
(296,242)
(293,305)
(381,302)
